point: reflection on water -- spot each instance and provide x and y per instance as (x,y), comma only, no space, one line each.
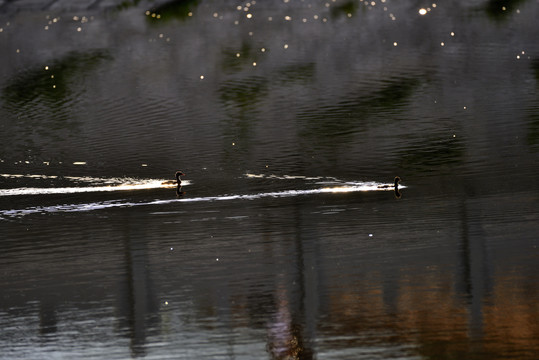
(43,99)
(287,240)
(334,186)
(175,9)
(96,185)
(502,9)
(282,277)
(342,121)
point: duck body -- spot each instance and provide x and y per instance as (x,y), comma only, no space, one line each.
(178,179)
(395,185)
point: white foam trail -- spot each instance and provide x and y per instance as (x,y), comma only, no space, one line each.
(287,177)
(119,203)
(126,186)
(76,178)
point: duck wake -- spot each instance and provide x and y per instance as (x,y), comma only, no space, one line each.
(325,186)
(87,184)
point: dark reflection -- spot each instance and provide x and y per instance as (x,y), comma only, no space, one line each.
(350,115)
(232,63)
(51,84)
(533,117)
(258,304)
(292,74)
(179,191)
(139,307)
(464,282)
(42,98)
(477,274)
(172,10)
(289,335)
(502,9)
(48,320)
(438,153)
(126,4)
(397,192)
(241,96)
(533,129)
(241,99)
(345,9)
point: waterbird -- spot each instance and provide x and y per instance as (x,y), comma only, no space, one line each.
(180,173)
(396,185)
(179,191)
(178,179)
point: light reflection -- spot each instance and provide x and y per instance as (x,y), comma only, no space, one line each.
(142,185)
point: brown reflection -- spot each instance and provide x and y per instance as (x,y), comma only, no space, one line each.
(419,310)
(514,316)
(471,313)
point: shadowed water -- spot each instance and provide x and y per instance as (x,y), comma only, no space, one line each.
(287,239)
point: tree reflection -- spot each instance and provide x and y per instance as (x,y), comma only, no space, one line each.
(501,9)
(42,98)
(176,9)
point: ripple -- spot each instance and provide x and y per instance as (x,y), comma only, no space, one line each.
(345,188)
(106,185)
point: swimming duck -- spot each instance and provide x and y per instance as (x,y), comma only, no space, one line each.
(396,185)
(180,173)
(179,191)
(178,179)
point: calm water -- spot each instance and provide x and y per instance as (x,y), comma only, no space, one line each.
(287,117)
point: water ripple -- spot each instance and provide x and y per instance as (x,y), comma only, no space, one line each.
(344,188)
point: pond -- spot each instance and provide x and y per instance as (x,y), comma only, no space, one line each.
(287,238)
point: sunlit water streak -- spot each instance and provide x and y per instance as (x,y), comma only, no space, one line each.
(86,179)
(112,184)
(340,187)
(154,184)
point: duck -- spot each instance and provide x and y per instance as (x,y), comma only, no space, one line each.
(396,184)
(179,192)
(178,174)
(178,179)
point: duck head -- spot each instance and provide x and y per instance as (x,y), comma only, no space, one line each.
(178,174)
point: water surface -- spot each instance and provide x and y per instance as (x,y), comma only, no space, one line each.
(287,117)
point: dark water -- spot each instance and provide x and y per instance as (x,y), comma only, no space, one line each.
(286,117)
